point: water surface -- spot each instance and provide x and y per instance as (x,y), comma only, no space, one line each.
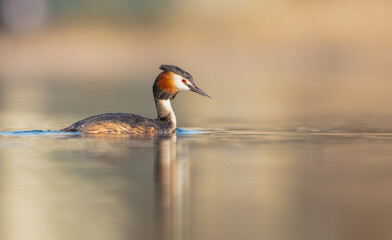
(267,183)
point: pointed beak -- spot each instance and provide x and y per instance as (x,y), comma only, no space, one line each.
(195,89)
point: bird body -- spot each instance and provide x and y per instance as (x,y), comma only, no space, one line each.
(119,123)
(166,86)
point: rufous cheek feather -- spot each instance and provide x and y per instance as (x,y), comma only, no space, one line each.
(164,86)
(165,81)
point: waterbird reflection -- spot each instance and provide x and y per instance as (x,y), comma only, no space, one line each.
(170,188)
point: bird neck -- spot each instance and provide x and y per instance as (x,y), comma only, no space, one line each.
(166,113)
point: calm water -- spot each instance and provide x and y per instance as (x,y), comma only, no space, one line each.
(301,183)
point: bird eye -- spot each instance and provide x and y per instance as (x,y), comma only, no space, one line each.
(183,80)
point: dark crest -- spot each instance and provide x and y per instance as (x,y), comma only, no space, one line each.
(177,71)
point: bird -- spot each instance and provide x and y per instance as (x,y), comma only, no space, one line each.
(166,86)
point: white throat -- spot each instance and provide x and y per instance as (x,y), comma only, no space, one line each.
(165,111)
(166,104)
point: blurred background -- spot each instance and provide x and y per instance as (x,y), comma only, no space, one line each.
(267,64)
(261,61)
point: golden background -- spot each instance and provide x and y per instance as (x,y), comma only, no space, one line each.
(261,61)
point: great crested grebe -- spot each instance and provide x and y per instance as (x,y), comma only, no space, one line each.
(166,86)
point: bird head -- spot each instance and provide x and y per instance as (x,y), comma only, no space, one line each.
(172,80)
